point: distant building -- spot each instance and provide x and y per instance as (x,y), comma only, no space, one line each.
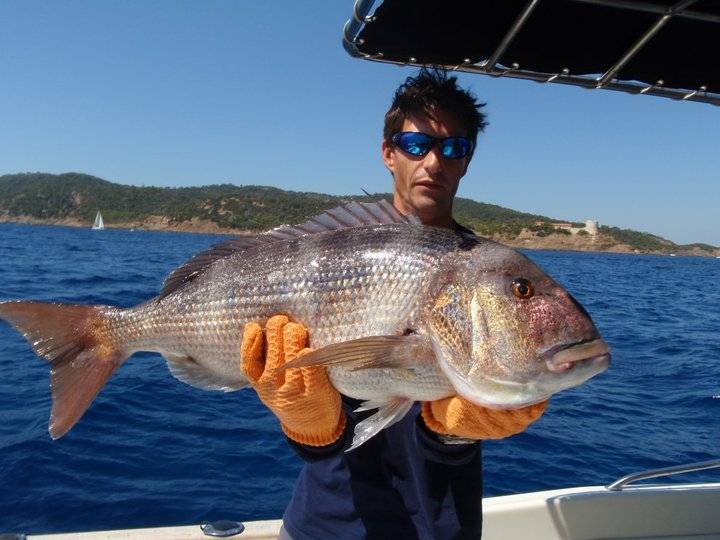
(592,226)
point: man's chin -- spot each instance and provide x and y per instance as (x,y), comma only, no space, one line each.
(428,208)
(430,199)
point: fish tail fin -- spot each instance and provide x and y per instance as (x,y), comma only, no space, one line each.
(76,341)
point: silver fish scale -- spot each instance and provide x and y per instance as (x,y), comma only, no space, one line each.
(341,285)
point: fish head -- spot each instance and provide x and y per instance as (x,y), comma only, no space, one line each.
(507,335)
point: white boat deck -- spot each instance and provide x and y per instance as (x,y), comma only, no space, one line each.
(254,530)
(683,511)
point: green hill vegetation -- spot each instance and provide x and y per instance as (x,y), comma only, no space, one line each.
(80,196)
(76,196)
(489,219)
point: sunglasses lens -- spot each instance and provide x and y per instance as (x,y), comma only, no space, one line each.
(417,144)
(455,147)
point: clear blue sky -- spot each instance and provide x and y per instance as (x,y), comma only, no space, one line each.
(180,93)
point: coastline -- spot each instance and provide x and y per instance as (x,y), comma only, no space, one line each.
(526,240)
(154,223)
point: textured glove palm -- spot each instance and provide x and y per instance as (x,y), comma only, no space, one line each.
(303,399)
(462,418)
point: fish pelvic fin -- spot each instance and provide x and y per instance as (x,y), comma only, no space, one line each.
(186,369)
(75,340)
(387,414)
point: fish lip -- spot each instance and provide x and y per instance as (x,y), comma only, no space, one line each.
(562,367)
(564,357)
(548,353)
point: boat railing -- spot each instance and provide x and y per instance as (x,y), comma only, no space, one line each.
(618,485)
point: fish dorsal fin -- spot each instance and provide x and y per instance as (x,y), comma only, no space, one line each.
(200,262)
(353,214)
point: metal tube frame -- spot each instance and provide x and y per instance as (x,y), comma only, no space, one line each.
(653,8)
(667,471)
(700,95)
(610,73)
(362,8)
(505,43)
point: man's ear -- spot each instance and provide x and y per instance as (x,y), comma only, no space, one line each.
(388,155)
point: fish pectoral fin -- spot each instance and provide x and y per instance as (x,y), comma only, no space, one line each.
(387,414)
(370,352)
(186,369)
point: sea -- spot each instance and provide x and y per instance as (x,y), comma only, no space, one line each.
(152,451)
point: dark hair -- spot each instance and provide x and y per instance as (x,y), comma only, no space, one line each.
(428,91)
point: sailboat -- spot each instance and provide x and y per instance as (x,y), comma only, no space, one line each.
(99,223)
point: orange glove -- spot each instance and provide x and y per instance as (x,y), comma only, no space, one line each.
(303,399)
(462,418)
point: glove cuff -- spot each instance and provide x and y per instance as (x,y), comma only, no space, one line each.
(316,438)
(430,421)
(455,416)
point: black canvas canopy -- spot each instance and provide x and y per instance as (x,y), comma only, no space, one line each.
(659,47)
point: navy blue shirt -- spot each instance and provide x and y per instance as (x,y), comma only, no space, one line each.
(403,483)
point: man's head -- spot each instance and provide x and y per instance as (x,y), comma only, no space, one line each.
(425,182)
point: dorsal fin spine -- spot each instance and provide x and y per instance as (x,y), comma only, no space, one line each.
(379,213)
(383,209)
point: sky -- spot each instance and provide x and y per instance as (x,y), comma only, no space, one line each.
(189,93)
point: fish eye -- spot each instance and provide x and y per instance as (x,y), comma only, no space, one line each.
(522,288)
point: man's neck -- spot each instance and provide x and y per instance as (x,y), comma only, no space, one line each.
(433,219)
(438,221)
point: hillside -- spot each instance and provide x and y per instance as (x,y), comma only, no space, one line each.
(74,198)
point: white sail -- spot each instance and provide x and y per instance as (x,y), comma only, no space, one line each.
(99,223)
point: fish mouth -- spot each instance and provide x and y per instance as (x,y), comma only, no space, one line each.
(568,365)
(563,358)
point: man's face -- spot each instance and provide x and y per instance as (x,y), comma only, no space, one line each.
(426,185)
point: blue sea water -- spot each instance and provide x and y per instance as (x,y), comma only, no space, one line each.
(152,451)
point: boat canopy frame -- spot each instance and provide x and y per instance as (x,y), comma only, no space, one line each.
(665,48)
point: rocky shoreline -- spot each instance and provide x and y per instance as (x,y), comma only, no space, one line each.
(153,223)
(525,240)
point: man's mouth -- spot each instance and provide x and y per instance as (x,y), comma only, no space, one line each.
(429,184)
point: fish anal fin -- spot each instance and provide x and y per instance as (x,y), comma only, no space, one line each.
(387,414)
(371,352)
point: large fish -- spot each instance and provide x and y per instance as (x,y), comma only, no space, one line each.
(397,311)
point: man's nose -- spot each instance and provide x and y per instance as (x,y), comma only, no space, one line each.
(433,159)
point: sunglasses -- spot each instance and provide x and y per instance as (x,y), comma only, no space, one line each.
(418,144)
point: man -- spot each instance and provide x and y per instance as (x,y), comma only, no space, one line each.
(422,477)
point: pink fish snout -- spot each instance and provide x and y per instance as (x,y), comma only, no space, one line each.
(563,358)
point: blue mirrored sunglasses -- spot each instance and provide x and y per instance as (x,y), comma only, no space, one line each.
(417,143)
